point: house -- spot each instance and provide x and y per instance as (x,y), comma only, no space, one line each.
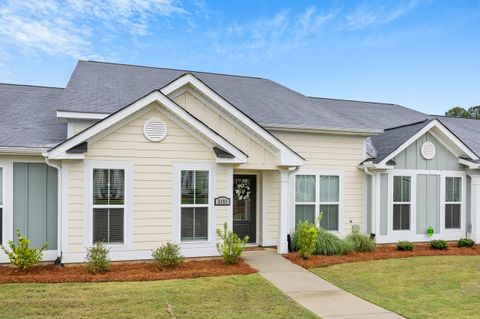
(136,156)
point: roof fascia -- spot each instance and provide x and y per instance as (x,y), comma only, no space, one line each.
(68,115)
(22,150)
(322,130)
(59,152)
(288,157)
(428,127)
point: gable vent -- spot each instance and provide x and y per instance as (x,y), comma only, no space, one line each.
(428,150)
(155,130)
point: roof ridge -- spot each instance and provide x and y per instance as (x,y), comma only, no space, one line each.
(348,100)
(32,85)
(173,69)
(409,124)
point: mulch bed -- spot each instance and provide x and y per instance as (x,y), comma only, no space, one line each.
(382,252)
(135,271)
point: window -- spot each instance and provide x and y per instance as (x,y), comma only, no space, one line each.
(401,202)
(315,194)
(194,205)
(453,202)
(108,205)
(1,205)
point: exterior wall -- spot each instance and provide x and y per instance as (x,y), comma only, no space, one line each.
(428,202)
(384,191)
(152,165)
(259,156)
(369,206)
(336,153)
(76,126)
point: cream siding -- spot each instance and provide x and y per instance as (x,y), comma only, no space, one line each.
(334,152)
(152,178)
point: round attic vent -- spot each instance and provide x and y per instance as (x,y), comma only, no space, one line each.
(155,130)
(428,150)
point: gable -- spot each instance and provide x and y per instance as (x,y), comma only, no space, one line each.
(259,153)
(411,157)
(129,141)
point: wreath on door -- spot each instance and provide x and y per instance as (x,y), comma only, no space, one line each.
(242,191)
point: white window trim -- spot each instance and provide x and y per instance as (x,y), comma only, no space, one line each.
(403,203)
(318,173)
(89,166)
(463,211)
(176,231)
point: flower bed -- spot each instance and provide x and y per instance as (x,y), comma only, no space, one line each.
(133,271)
(382,252)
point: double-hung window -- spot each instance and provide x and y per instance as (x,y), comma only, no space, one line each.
(194,204)
(1,205)
(453,202)
(315,194)
(108,205)
(401,202)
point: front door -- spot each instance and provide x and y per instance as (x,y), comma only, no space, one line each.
(245,206)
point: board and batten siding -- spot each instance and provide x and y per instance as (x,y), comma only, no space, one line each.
(428,202)
(258,156)
(335,152)
(152,178)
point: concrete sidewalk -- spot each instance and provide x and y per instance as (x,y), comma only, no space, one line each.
(311,291)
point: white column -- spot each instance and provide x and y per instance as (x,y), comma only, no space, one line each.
(282,246)
(475,207)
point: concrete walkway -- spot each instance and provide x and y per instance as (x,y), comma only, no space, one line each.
(311,291)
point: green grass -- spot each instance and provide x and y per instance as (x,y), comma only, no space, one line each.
(248,296)
(420,287)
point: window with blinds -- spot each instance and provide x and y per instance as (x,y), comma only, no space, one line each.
(316,194)
(108,205)
(401,202)
(453,202)
(194,203)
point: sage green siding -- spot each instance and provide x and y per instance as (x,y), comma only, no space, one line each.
(383,204)
(369,204)
(428,203)
(35,203)
(411,158)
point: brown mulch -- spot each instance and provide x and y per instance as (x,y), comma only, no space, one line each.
(382,252)
(135,271)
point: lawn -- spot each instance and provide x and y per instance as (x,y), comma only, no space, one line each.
(248,296)
(419,287)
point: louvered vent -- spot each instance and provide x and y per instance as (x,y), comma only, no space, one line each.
(155,130)
(428,150)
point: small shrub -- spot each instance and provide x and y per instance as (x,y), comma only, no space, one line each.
(439,244)
(231,246)
(405,245)
(465,242)
(361,242)
(329,244)
(168,255)
(98,260)
(305,239)
(21,256)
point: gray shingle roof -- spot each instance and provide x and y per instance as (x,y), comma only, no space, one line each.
(468,130)
(106,87)
(28,117)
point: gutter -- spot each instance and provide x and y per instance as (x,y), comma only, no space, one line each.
(325,130)
(22,150)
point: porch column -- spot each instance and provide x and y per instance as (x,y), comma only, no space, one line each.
(282,246)
(475,208)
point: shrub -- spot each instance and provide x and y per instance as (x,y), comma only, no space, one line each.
(361,242)
(329,244)
(405,245)
(168,255)
(21,256)
(305,239)
(231,246)
(439,244)
(465,242)
(97,258)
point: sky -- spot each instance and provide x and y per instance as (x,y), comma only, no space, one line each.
(421,54)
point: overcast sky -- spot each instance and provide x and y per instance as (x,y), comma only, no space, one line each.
(421,54)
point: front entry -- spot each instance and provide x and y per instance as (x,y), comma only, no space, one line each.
(245,206)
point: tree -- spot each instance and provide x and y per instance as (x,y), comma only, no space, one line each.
(474,112)
(458,111)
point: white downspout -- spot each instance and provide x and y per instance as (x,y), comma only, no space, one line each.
(59,206)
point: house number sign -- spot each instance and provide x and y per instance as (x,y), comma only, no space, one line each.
(222,201)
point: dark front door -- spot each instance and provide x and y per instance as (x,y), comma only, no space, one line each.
(245,206)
